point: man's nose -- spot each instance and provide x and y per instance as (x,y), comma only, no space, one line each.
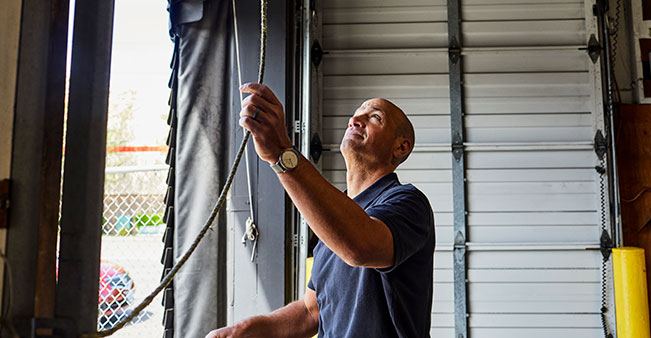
(356,121)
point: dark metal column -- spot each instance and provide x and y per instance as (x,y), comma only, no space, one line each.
(83,186)
(458,170)
(35,164)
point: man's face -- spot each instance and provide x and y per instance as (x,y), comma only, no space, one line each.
(371,131)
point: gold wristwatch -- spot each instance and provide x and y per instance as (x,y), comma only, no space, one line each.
(287,160)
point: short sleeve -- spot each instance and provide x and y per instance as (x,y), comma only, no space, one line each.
(408,215)
(310,285)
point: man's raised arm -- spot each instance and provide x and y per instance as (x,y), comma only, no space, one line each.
(336,219)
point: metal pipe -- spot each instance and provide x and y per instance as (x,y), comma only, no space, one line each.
(305,126)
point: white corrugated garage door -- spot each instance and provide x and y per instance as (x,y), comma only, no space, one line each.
(532,104)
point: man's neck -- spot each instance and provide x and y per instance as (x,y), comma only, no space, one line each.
(358,179)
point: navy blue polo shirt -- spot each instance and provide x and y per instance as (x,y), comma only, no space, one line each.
(392,302)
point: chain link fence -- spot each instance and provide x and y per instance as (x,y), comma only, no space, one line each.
(132,231)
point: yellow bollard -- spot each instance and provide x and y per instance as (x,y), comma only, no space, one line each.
(631,302)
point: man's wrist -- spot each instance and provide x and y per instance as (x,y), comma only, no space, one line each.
(288,160)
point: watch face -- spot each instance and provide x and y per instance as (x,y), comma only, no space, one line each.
(289,159)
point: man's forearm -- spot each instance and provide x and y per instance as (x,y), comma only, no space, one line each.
(337,220)
(292,320)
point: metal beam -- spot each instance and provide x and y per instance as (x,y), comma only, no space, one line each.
(52,156)
(83,187)
(458,169)
(29,160)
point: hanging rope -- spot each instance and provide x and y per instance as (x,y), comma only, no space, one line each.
(218,205)
(251,232)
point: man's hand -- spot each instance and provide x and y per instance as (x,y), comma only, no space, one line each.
(262,114)
(226,332)
(298,319)
(239,330)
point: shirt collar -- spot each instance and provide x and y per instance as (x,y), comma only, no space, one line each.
(367,196)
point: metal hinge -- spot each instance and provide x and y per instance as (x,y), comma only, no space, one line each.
(457,147)
(593,49)
(600,144)
(297,126)
(459,246)
(4,202)
(454,51)
(316,148)
(317,53)
(605,245)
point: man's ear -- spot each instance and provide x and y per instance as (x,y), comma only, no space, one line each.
(402,147)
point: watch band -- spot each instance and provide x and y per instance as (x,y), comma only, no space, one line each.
(277,168)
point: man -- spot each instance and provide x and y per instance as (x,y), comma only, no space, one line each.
(372,274)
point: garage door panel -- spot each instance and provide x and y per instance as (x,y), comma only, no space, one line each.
(444,235)
(442,218)
(525,61)
(379,62)
(528,134)
(539,307)
(520,11)
(524,33)
(576,320)
(529,128)
(535,332)
(531,175)
(424,175)
(379,35)
(409,3)
(532,218)
(557,259)
(347,4)
(443,332)
(527,105)
(534,233)
(426,105)
(530,159)
(548,85)
(438,13)
(424,61)
(375,14)
(530,202)
(543,16)
(534,293)
(523,276)
(530,188)
(535,275)
(389,86)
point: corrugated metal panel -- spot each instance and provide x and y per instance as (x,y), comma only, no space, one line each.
(532,104)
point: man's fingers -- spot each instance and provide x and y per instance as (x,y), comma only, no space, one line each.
(250,111)
(261,90)
(250,124)
(262,104)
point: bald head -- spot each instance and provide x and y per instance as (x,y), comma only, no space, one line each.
(404,129)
